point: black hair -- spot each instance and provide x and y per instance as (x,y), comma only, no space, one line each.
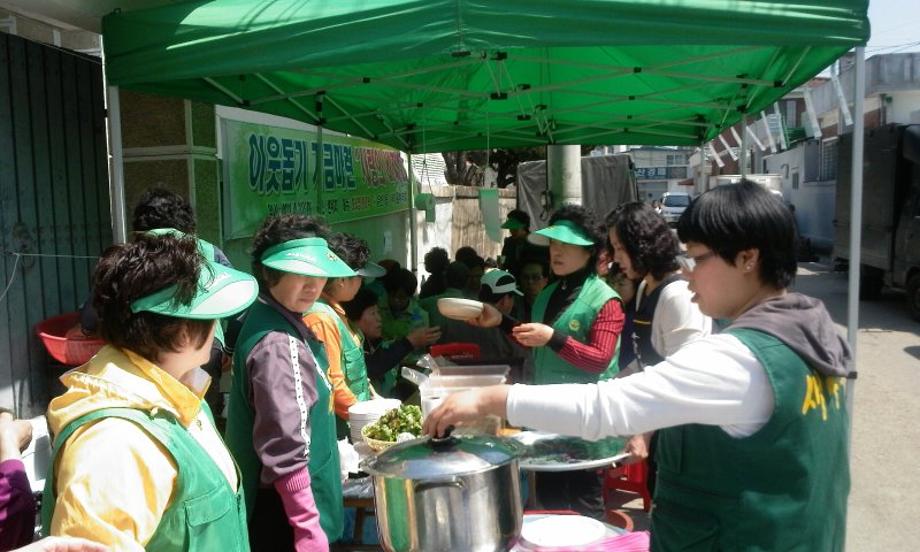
(400,279)
(277,229)
(436,260)
(520,216)
(389,264)
(351,249)
(456,275)
(130,271)
(735,217)
(161,208)
(544,266)
(585,219)
(651,245)
(364,299)
(468,256)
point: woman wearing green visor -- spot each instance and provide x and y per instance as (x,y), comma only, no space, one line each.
(343,344)
(575,335)
(281,424)
(138,463)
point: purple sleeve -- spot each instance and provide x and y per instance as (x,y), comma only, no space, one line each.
(281,429)
(17,506)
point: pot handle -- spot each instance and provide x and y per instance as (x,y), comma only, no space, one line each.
(428,485)
(443,441)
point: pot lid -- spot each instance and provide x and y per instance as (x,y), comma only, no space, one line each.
(428,458)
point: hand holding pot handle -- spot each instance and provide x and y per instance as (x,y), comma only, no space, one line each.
(465,407)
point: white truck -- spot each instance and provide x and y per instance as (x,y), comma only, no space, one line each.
(772,182)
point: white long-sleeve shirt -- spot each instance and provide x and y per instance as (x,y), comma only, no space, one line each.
(715,380)
(677,319)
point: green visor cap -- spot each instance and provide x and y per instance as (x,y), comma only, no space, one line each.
(513,224)
(306,257)
(222,292)
(565,231)
(371,270)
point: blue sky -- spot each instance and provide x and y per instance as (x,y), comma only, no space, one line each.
(895,26)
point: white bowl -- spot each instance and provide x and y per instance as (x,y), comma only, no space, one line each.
(372,409)
(459,309)
(563,531)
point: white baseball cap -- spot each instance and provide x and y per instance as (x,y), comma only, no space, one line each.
(499,282)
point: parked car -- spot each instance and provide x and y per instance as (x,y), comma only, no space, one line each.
(673,205)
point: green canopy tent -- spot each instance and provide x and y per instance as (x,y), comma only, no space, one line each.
(438,75)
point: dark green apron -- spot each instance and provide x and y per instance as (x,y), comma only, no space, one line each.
(323,466)
(576,321)
(783,488)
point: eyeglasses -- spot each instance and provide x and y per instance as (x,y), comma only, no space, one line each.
(689,263)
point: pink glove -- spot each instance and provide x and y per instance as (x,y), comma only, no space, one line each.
(297,497)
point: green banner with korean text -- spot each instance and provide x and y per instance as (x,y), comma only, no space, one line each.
(270,170)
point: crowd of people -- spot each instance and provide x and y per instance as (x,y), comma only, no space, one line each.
(609,326)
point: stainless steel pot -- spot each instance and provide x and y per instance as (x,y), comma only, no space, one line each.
(456,494)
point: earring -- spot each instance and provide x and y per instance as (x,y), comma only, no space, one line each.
(749,267)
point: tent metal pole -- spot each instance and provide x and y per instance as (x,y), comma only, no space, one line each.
(744,147)
(563,167)
(116,167)
(856,200)
(413,219)
(318,171)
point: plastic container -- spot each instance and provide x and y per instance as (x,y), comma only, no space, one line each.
(71,350)
(431,397)
(466,381)
(471,370)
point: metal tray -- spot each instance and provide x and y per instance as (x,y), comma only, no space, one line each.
(551,452)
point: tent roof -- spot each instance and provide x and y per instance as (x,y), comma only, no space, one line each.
(438,75)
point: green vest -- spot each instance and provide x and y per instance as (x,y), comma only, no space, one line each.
(575,321)
(783,488)
(323,466)
(204,512)
(353,365)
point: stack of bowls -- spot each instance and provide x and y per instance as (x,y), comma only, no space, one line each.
(367,412)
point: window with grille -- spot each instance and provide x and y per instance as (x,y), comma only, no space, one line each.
(677,159)
(827,163)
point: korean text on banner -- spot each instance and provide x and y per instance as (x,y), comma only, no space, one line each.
(270,170)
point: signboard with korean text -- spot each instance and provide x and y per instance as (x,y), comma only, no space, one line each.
(271,170)
(660,173)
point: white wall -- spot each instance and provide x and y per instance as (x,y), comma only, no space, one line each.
(902,104)
(814,201)
(434,234)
